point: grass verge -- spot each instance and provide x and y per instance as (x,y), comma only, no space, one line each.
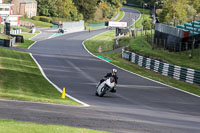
(37,23)
(27,42)
(21,79)
(176,58)
(138,24)
(121,14)
(10,126)
(94,43)
(104,41)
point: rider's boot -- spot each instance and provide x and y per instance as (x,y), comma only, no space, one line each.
(113,90)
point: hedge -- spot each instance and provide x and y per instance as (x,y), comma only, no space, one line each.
(45,19)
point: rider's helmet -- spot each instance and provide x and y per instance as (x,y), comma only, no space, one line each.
(114,71)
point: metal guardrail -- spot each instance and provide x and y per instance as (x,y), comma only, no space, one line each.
(176,72)
(17,31)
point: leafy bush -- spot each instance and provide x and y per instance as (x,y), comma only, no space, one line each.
(37,18)
(45,19)
(57,19)
(147,24)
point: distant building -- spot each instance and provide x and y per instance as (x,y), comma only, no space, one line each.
(25,7)
(6,14)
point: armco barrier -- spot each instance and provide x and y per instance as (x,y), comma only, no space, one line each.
(16,31)
(176,72)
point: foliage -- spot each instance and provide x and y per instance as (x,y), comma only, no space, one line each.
(173,9)
(47,7)
(67,9)
(190,10)
(78,9)
(86,7)
(147,24)
(110,7)
(150,3)
(37,23)
(107,9)
(7,1)
(196,5)
(58,8)
(36,18)
(45,19)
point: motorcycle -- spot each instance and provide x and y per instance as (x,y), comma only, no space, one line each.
(105,87)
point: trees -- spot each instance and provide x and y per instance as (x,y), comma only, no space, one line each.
(110,7)
(67,9)
(196,5)
(78,9)
(179,9)
(47,7)
(58,8)
(86,7)
(173,9)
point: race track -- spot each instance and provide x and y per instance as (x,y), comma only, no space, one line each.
(140,105)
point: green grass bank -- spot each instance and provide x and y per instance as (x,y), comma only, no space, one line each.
(37,23)
(10,126)
(138,44)
(21,79)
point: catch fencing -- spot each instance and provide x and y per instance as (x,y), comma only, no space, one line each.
(73,26)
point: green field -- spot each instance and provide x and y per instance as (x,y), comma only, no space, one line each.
(10,126)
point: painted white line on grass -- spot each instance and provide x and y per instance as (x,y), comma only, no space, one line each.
(41,70)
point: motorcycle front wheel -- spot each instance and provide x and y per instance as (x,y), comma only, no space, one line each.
(103,91)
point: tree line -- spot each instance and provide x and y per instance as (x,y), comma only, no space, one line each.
(179,9)
(78,9)
(171,9)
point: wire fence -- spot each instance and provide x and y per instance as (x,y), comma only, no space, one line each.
(178,35)
(190,47)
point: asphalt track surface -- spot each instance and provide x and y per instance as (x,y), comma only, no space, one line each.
(139,106)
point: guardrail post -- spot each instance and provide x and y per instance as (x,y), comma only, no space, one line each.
(130,57)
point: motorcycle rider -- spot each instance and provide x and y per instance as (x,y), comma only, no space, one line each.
(112,74)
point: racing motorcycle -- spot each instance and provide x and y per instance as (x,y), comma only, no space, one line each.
(106,86)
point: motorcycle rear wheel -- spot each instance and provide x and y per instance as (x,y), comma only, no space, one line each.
(97,93)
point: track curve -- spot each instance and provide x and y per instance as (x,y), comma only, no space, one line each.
(140,105)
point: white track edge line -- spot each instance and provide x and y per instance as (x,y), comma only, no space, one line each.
(41,70)
(33,40)
(135,73)
(35,102)
(140,75)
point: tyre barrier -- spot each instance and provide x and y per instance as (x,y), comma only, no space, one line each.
(177,72)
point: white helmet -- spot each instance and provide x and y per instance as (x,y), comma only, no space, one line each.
(114,71)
